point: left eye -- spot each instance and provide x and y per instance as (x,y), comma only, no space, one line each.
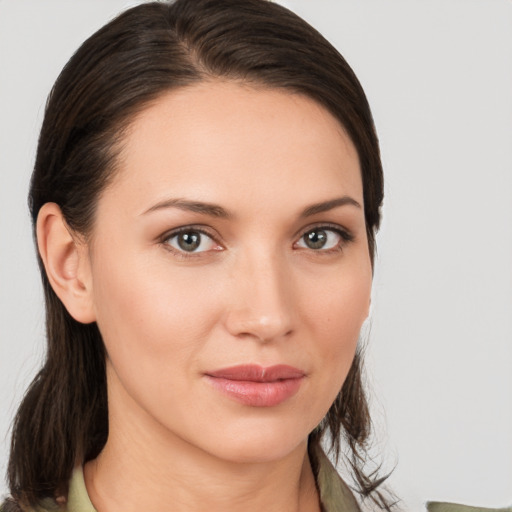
(191,241)
(320,238)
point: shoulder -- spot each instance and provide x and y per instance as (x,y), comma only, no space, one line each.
(77,499)
(47,505)
(436,506)
(10,506)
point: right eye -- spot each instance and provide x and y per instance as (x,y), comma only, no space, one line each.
(191,241)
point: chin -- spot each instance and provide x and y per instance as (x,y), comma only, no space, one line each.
(259,444)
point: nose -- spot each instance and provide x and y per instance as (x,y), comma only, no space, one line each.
(261,298)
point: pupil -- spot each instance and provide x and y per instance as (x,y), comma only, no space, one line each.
(189,241)
(316,239)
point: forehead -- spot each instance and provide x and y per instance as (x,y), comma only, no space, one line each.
(216,139)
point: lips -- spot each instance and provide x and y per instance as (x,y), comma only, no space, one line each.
(257,386)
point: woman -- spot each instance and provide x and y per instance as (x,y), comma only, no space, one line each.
(205,198)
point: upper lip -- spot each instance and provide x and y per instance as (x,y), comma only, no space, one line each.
(256,373)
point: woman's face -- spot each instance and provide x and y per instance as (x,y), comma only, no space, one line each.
(229,270)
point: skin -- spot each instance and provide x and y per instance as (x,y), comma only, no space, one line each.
(253,292)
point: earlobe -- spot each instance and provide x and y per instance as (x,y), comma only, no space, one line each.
(66,262)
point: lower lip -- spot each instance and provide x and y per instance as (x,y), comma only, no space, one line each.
(257,394)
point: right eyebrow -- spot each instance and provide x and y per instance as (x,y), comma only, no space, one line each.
(210,209)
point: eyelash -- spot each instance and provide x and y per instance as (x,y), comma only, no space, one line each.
(345,238)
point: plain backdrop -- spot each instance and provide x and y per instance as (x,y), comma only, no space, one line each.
(438,75)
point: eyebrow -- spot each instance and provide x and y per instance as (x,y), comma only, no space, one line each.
(325,206)
(213,210)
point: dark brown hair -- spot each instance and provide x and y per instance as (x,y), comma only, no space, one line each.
(146,51)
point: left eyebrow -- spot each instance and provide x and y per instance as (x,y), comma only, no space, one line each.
(213,210)
(325,206)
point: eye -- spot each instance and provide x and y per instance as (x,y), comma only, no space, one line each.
(323,238)
(191,241)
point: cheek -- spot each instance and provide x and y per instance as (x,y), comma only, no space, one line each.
(338,306)
(335,313)
(146,311)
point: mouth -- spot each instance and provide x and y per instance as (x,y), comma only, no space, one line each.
(257,386)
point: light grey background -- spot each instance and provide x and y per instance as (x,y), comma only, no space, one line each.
(438,74)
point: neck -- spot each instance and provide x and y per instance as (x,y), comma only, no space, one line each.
(186,486)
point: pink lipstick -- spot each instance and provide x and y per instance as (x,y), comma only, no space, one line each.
(257,386)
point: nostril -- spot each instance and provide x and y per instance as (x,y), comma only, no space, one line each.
(244,324)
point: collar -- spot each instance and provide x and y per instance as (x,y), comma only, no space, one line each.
(78,499)
(335,495)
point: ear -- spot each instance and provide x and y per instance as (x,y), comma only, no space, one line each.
(66,261)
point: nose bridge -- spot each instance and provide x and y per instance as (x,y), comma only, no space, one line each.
(262,299)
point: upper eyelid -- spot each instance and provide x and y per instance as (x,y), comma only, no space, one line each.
(192,227)
(324,225)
